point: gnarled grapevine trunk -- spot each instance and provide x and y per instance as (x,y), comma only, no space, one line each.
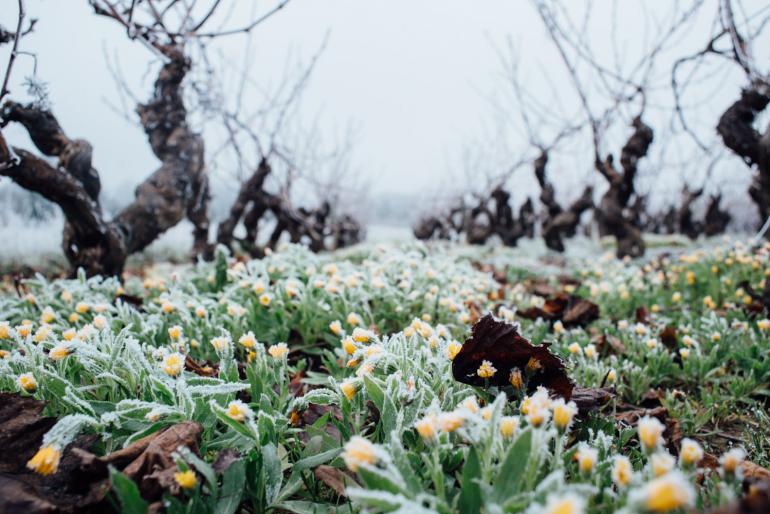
(739,135)
(611,215)
(559,223)
(177,189)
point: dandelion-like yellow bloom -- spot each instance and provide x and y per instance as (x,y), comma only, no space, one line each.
(361,336)
(536,415)
(348,388)
(4,354)
(24,330)
(354,319)
(486,370)
(27,382)
(575,349)
(569,504)
(563,414)
(175,332)
(264,300)
(533,365)
(42,333)
(238,411)
(451,421)
(650,432)
(612,375)
(57,353)
(586,457)
(5,330)
(661,463)
(669,492)
(173,365)
(453,349)
(220,343)
(167,307)
(763,324)
(622,471)
(590,351)
(336,327)
(278,350)
(67,296)
(470,404)
(359,451)
(509,425)
(74,317)
(427,426)
(691,452)
(186,479)
(732,460)
(100,322)
(558,327)
(47,316)
(676,297)
(46,460)
(200,312)
(247,340)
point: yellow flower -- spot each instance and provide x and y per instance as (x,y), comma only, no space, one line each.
(676,297)
(4,354)
(453,349)
(533,365)
(691,452)
(174,332)
(563,414)
(82,307)
(590,351)
(650,432)
(366,369)
(348,388)
(360,335)
(427,426)
(652,343)
(220,343)
(47,315)
(173,364)
(74,317)
(354,319)
(167,307)
(247,340)
(42,333)
(622,472)
(259,287)
(46,460)
(732,460)
(24,330)
(278,350)
(57,353)
(684,353)
(586,457)
(238,411)
(264,299)
(200,312)
(575,349)
(5,330)
(567,504)
(27,382)
(66,296)
(451,421)
(763,324)
(558,327)
(690,278)
(100,322)
(509,425)
(536,415)
(669,492)
(470,404)
(486,370)
(186,479)
(612,375)
(336,327)
(661,463)
(359,451)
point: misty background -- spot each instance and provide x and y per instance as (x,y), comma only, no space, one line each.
(418,92)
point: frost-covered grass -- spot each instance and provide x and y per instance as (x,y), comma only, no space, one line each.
(367,337)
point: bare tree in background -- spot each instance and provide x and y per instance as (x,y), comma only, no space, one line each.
(731,44)
(178,189)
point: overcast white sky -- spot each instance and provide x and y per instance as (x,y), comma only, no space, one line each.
(414,76)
